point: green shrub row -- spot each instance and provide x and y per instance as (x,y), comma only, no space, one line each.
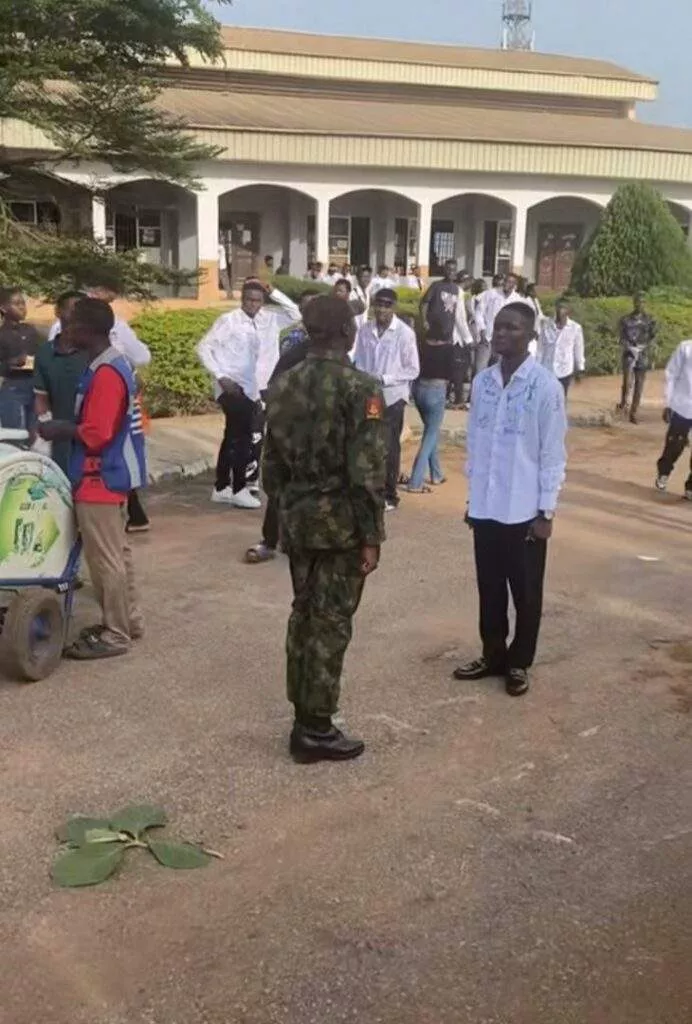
(175,383)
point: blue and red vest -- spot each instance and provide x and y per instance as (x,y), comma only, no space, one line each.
(122,463)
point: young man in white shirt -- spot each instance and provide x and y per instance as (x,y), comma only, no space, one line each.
(240,352)
(561,345)
(382,279)
(492,301)
(516,467)
(386,349)
(360,294)
(677,414)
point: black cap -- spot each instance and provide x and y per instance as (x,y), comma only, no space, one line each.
(387,295)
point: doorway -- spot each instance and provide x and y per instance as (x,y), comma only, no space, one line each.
(558,245)
(239,234)
(360,241)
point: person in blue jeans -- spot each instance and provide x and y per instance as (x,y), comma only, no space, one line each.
(430,395)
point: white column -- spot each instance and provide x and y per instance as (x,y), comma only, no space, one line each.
(208,245)
(519,239)
(98,218)
(424,232)
(297,236)
(322,232)
(478,241)
(207,226)
(388,239)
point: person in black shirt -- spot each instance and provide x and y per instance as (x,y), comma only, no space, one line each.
(438,306)
(443,312)
(57,371)
(430,394)
(19,344)
(637,336)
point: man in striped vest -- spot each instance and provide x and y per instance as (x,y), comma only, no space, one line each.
(107,462)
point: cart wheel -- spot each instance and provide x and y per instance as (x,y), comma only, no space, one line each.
(32,635)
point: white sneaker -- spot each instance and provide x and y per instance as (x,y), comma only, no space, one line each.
(661,482)
(243,499)
(224,497)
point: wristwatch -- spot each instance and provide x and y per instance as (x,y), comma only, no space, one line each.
(548,516)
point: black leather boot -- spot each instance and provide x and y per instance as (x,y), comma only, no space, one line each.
(310,744)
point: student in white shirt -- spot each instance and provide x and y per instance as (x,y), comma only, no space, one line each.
(561,345)
(240,352)
(333,275)
(531,296)
(515,467)
(360,294)
(382,279)
(386,348)
(677,414)
(493,300)
(315,272)
(414,279)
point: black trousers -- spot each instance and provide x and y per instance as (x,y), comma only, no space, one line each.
(507,561)
(236,446)
(633,380)
(566,381)
(394,417)
(677,440)
(259,420)
(461,364)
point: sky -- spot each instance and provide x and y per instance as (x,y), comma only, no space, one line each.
(622,31)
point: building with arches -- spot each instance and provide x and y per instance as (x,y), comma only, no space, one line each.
(371,151)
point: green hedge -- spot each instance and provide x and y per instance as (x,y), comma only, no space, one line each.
(175,383)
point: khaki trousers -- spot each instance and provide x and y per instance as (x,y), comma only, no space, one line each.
(109,557)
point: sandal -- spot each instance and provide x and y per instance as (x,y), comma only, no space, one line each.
(438,483)
(419,490)
(90,646)
(403,479)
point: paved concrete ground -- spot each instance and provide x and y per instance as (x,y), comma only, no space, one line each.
(488,861)
(188,445)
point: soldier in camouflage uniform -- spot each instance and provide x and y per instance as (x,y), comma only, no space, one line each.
(324,462)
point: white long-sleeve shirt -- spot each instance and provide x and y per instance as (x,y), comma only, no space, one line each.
(561,349)
(245,348)
(122,338)
(516,444)
(462,331)
(491,302)
(392,357)
(678,387)
(359,294)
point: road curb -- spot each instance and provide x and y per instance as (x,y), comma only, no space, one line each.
(182,471)
(456,436)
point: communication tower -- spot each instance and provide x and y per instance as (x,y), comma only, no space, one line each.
(517,29)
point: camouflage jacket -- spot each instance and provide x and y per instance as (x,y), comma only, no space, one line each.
(325,454)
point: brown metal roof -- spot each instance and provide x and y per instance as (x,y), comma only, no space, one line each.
(340,116)
(304,44)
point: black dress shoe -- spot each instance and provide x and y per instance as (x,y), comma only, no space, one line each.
(310,745)
(478,669)
(517,682)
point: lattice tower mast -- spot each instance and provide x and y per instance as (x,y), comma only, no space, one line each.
(517,26)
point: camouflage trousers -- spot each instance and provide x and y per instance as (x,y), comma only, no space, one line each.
(327,588)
